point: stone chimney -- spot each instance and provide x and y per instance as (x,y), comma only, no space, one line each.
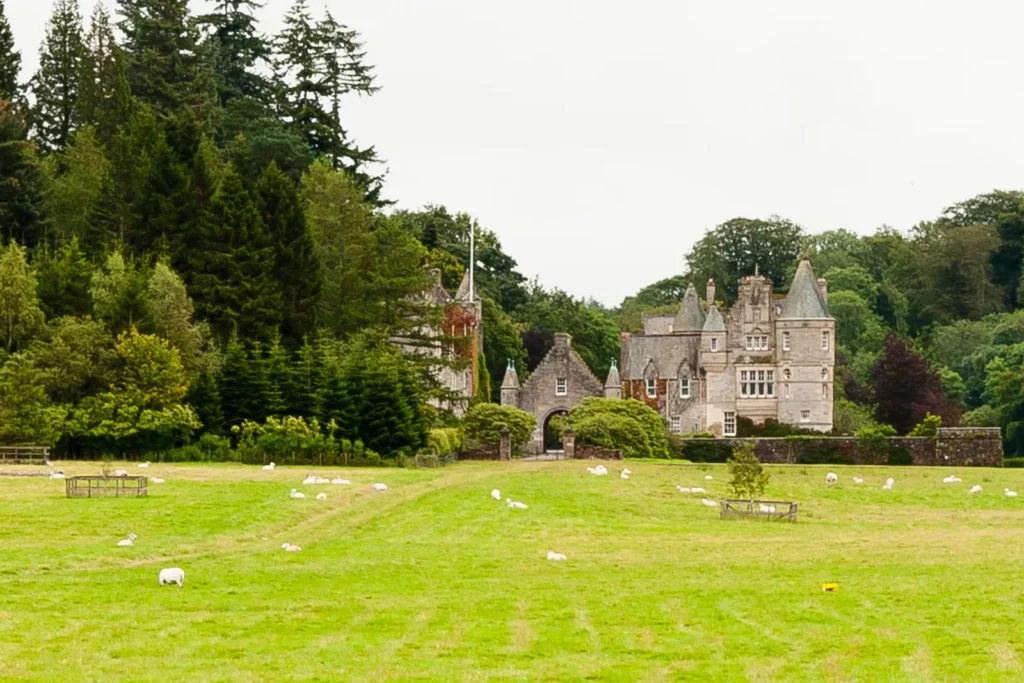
(823,288)
(563,340)
(710,296)
(435,273)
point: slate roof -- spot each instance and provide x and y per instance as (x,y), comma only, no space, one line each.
(690,317)
(613,376)
(804,300)
(511,380)
(714,322)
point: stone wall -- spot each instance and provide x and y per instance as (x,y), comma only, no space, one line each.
(952,447)
(594,453)
(488,452)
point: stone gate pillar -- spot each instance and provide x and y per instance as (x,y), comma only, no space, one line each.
(505,445)
(569,443)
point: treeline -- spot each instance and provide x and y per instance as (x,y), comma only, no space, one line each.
(192,243)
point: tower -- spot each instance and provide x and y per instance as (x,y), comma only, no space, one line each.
(510,386)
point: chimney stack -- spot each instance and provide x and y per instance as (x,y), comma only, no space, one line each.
(710,296)
(823,288)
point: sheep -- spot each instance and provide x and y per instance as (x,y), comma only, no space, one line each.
(515,504)
(173,575)
(47,462)
(831,478)
(124,543)
(766,508)
(975,489)
(684,489)
(380,487)
(555,557)
(888,484)
(156,480)
(952,479)
(56,475)
(288,547)
(339,480)
(624,475)
(1009,493)
(495,494)
(708,478)
(120,473)
(311,479)
(599,470)
(322,480)
(321,496)
(297,494)
(270,467)
(626,470)
(709,503)
(697,489)
(858,480)
(143,465)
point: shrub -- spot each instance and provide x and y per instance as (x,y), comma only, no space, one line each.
(445,440)
(629,426)
(985,416)
(874,441)
(929,426)
(1013,462)
(214,448)
(898,455)
(710,450)
(748,477)
(484,423)
(771,427)
(822,452)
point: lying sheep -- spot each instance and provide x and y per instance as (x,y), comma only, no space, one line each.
(173,575)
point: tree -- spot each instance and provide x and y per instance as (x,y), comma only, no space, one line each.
(503,342)
(854,279)
(235,385)
(929,426)
(954,274)
(747,478)
(118,291)
(104,98)
(20,314)
(485,421)
(63,277)
(296,266)
(857,327)
(240,51)
(21,178)
(204,397)
(907,389)
(27,415)
(78,358)
(56,84)
(170,309)
(10,60)
(79,185)
(628,426)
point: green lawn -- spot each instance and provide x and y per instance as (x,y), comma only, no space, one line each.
(433,580)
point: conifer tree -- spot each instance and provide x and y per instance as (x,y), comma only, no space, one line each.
(56,84)
(10,61)
(306,373)
(21,181)
(240,52)
(104,97)
(235,385)
(204,397)
(64,277)
(281,381)
(232,267)
(264,399)
(296,266)
(20,314)
(80,182)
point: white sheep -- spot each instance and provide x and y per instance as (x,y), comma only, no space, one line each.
(831,478)
(684,489)
(156,480)
(708,478)
(173,575)
(697,489)
(144,465)
(380,487)
(120,473)
(766,508)
(495,494)
(626,470)
(858,480)
(127,541)
(1009,493)
(321,496)
(975,489)
(599,470)
(515,504)
(624,475)
(56,475)
(322,480)
(270,467)
(297,494)
(311,479)
(709,503)
(339,480)
(555,557)
(288,547)
(952,479)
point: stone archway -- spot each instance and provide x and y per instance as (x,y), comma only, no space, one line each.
(552,437)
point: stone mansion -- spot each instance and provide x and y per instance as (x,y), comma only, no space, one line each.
(701,369)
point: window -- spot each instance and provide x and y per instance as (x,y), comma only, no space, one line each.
(730,425)
(757,383)
(785,341)
(757,342)
(824,373)
(824,340)
(714,343)
(561,386)
(787,391)
(750,343)
(676,424)
(824,391)
(652,387)
(684,387)
(805,416)
(786,373)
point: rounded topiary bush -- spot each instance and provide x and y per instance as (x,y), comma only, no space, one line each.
(484,422)
(628,426)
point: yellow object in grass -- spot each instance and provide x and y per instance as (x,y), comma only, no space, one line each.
(830,587)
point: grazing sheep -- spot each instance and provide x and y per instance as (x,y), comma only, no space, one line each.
(339,480)
(127,541)
(173,575)
(120,473)
(56,475)
(311,479)
(697,489)
(380,487)
(684,489)
(322,480)
(975,489)
(858,480)
(297,494)
(144,465)
(952,479)
(156,480)
(626,470)
(555,557)
(766,508)
(709,503)
(1009,493)
(270,467)
(624,475)
(321,496)
(599,470)
(831,478)
(288,547)
(515,504)
(495,494)
(708,478)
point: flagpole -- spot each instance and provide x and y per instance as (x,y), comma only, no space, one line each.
(472,261)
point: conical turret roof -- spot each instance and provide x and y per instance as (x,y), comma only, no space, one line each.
(463,292)
(804,299)
(613,376)
(690,317)
(511,380)
(714,322)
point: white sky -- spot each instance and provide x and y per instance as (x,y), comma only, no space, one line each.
(600,138)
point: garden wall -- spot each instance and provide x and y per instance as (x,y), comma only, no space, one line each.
(960,447)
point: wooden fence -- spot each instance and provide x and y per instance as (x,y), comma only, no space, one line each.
(24,455)
(770,510)
(99,486)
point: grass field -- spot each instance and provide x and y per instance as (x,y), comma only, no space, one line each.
(434,580)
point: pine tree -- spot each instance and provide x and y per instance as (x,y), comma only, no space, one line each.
(10,61)
(281,379)
(80,181)
(64,277)
(306,373)
(104,98)
(240,52)
(232,267)
(235,385)
(57,82)
(20,314)
(21,180)
(296,266)
(204,397)
(264,400)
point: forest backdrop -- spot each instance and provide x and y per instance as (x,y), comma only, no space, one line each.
(194,245)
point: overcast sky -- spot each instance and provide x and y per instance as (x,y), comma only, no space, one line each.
(599,139)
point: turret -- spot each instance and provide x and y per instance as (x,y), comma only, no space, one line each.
(510,386)
(690,317)
(613,387)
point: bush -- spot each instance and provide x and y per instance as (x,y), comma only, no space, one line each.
(1013,462)
(748,477)
(484,423)
(821,452)
(745,428)
(898,455)
(874,442)
(985,416)
(929,426)
(710,450)
(628,426)
(444,441)
(215,448)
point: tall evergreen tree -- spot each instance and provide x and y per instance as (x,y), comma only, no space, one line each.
(21,181)
(296,266)
(56,84)
(240,51)
(80,181)
(233,266)
(10,61)
(64,277)
(204,396)
(104,97)
(235,385)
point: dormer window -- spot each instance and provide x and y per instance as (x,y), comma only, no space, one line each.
(652,387)
(561,386)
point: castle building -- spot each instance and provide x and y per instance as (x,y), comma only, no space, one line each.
(766,357)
